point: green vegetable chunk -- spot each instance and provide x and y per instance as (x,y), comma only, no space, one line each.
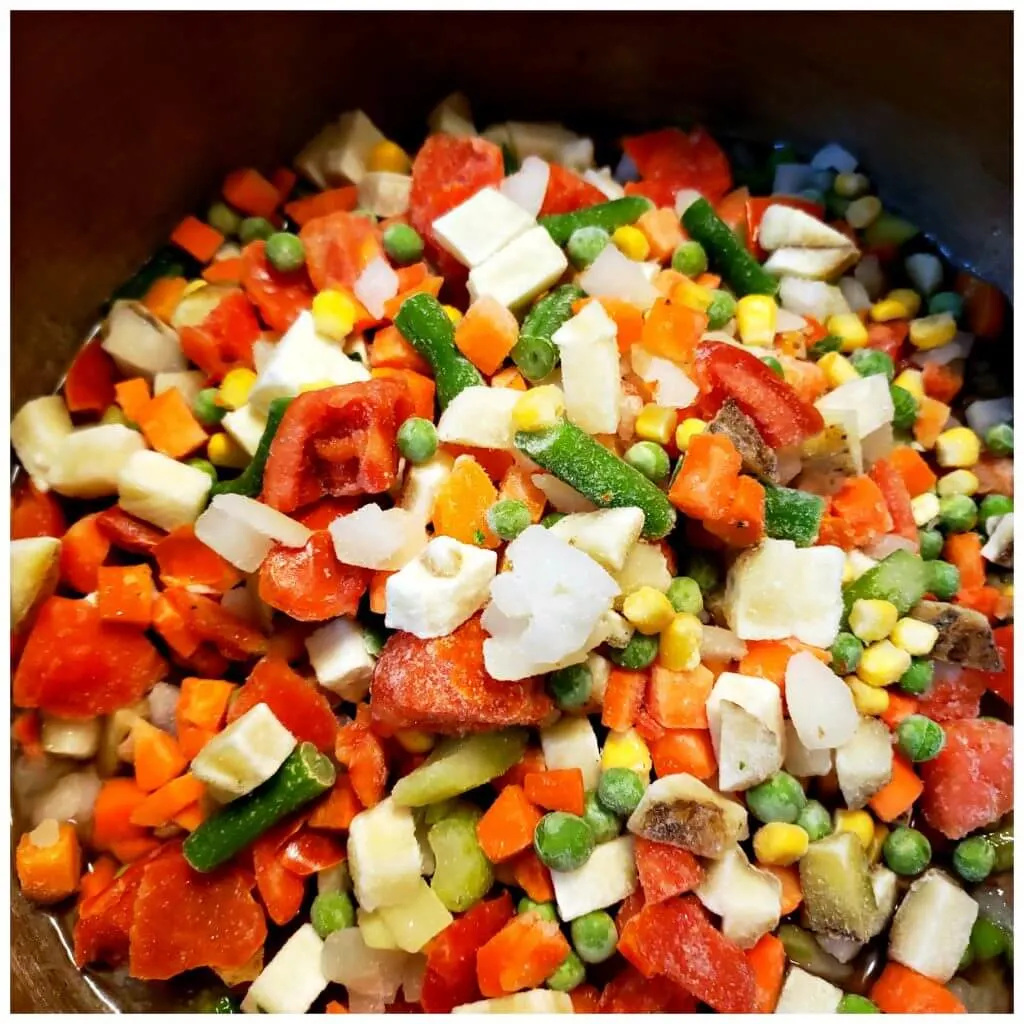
(815,820)
(1002,842)
(870,361)
(535,353)
(570,974)
(650,459)
(999,439)
(906,851)
(957,513)
(901,578)
(830,343)
(304,776)
(780,798)
(598,474)
(423,322)
(508,518)
(684,595)
(586,244)
(851,1003)
(223,218)
(620,790)
(637,654)
(943,579)
(594,936)
(605,825)
(905,407)
(551,518)
(703,568)
(332,911)
(993,505)
(205,408)
(774,365)
(250,481)
(931,542)
(974,858)
(206,466)
(888,229)
(690,259)
(463,875)
(918,678)
(919,738)
(616,213)
(793,515)
(225,1004)
(721,310)
(846,652)
(946,302)
(417,440)
(255,229)
(732,258)
(563,841)
(402,243)
(988,940)
(836,881)
(547,911)
(570,687)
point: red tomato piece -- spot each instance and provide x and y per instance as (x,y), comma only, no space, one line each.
(128,533)
(281,890)
(897,498)
(360,750)
(1001,683)
(970,784)
(185,561)
(675,160)
(35,513)
(279,297)
(630,992)
(889,338)
(224,340)
(338,248)
(309,583)
(665,870)
(310,852)
(441,685)
(89,385)
(955,694)
(76,665)
(83,549)
(233,637)
(338,442)
(568,192)
(322,513)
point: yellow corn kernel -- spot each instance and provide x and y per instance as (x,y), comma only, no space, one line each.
(688,429)
(960,481)
(780,844)
(933,331)
(925,508)
(849,329)
(860,823)
(415,741)
(882,664)
(914,636)
(849,184)
(388,156)
(908,298)
(872,619)
(862,212)
(959,447)
(234,389)
(631,242)
(656,423)
(849,573)
(679,647)
(317,385)
(838,369)
(868,700)
(193,286)
(453,314)
(539,408)
(626,750)
(334,314)
(222,450)
(692,295)
(881,833)
(756,316)
(912,381)
(648,610)
(888,309)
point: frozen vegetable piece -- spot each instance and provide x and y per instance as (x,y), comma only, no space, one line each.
(965,637)
(838,896)
(758,457)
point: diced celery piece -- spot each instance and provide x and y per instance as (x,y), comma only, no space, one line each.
(462,872)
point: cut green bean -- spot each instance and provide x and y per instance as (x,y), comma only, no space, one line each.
(535,353)
(616,213)
(250,481)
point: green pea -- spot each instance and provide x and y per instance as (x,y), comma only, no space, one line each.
(780,798)
(206,466)
(999,439)
(721,310)
(620,790)
(690,259)
(205,408)
(704,569)
(851,1003)
(650,459)
(402,243)
(1002,842)
(966,959)
(815,820)
(332,911)
(570,974)
(551,518)
(943,579)
(684,595)
(905,407)
(846,652)
(830,343)
(919,738)
(594,936)
(417,440)
(255,229)
(946,302)
(570,687)
(546,911)
(869,361)
(605,825)
(563,841)
(535,357)
(774,365)
(918,678)
(285,251)
(906,851)
(931,542)
(508,518)
(957,513)
(974,859)
(988,940)
(637,654)
(223,218)
(586,244)
(994,505)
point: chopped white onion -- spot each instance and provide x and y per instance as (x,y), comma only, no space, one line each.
(603,181)
(924,271)
(959,348)
(527,187)
(375,285)
(885,545)
(412,980)
(834,157)
(614,275)
(717,644)
(983,415)
(375,538)
(855,294)
(561,496)
(672,388)
(375,973)
(242,530)
(358,1003)
(788,321)
(685,198)
(869,272)
(71,799)
(163,703)
(820,704)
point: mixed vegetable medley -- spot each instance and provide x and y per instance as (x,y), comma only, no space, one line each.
(486,582)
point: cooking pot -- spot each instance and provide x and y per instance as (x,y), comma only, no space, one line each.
(123,122)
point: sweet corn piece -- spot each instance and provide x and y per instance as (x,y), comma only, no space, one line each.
(850,184)
(626,750)
(334,314)
(862,212)
(689,428)
(756,316)
(631,242)
(925,508)
(679,647)
(872,619)
(877,842)
(849,329)
(882,664)
(692,295)
(388,156)
(780,844)
(912,381)
(648,610)
(656,423)
(222,450)
(959,447)
(849,572)
(908,298)
(193,286)
(868,700)
(914,636)
(889,309)
(234,389)
(453,314)
(838,369)
(934,331)
(960,481)
(415,741)
(860,823)
(539,408)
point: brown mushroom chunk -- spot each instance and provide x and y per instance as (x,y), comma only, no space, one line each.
(758,457)
(965,637)
(698,827)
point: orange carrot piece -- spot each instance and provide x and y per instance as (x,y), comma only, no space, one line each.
(984,305)
(666,280)
(169,425)
(557,789)
(511,378)
(185,561)
(335,1007)
(932,416)
(97,878)
(506,827)
(171,625)
(916,473)
(517,485)
(336,810)
(429,285)
(767,659)
(898,795)
(711,281)
(163,804)
(111,814)
(133,396)
(767,959)
(248,191)
(900,707)
(964,551)
(158,758)
(191,817)
(49,873)
(126,594)
(83,549)
(531,761)
(460,510)
(662,230)
(861,505)
(192,739)
(684,750)
(942,382)
(792,890)
(585,999)
(421,388)
(672,331)
(623,695)
(335,200)
(227,271)
(901,990)
(521,956)
(203,703)
(284,179)
(197,239)
(389,348)
(163,296)
(378,591)
(532,876)
(486,334)
(26,731)
(677,699)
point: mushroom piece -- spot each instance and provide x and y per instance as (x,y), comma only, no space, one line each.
(758,457)
(965,636)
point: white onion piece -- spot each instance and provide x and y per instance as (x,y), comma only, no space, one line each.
(527,187)
(983,415)
(615,276)
(358,1003)
(561,496)
(721,644)
(375,538)
(163,703)
(242,530)
(672,388)
(375,285)
(869,272)
(855,294)
(885,545)
(924,271)
(723,336)
(603,181)
(791,179)
(788,321)
(685,198)
(262,350)
(377,973)
(71,799)
(959,348)
(412,980)
(790,463)
(243,604)
(46,833)
(820,704)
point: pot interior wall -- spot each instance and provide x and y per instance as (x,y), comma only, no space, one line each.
(123,122)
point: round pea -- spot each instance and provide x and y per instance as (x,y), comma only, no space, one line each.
(551,518)
(999,439)
(957,513)
(206,409)
(869,361)
(594,936)
(967,959)
(508,518)
(285,251)
(690,259)
(570,974)
(546,911)
(223,218)
(943,579)
(851,1003)
(906,851)
(905,407)
(255,229)
(620,790)
(586,244)
(417,440)
(931,542)
(774,365)
(332,911)
(974,859)
(650,459)
(603,823)
(402,243)
(918,678)
(563,841)
(780,798)
(535,357)
(721,310)
(815,820)
(946,302)
(702,568)
(994,505)
(919,738)
(846,652)
(637,654)
(206,466)
(684,595)
(570,687)
(988,940)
